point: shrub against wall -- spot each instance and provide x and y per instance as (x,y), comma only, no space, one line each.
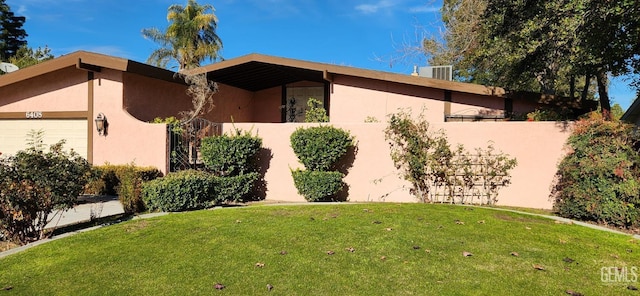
(439,174)
(125,181)
(179,191)
(231,155)
(233,159)
(319,149)
(33,184)
(599,178)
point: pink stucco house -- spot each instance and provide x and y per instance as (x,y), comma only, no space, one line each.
(267,94)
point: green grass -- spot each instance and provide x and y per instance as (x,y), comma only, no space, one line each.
(187,253)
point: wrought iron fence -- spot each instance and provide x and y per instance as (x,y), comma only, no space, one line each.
(185,141)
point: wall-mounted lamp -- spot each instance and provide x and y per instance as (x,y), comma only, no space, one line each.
(101,124)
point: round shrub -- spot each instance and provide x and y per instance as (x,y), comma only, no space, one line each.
(320,147)
(599,179)
(317,185)
(180,191)
(231,155)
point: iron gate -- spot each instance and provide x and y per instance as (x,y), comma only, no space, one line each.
(185,140)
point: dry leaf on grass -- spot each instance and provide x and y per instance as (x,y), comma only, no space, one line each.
(573,293)
(350,249)
(467,254)
(568,260)
(330,252)
(632,287)
(459,222)
(260,264)
(283,252)
(481,222)
(538,267)
(219,286)
(515,254)
(416,247)
(269,287)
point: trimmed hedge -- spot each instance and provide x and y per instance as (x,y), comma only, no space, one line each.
(320,147)
(318,185)
(125,181)
(227,155)
(180,191)
(234,188)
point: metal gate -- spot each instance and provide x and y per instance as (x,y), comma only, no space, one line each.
(185,140)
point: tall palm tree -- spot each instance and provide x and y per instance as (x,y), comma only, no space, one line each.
(190,38)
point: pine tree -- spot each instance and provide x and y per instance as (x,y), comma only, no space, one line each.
(12,35)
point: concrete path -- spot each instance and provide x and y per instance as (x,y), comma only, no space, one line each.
(89,208)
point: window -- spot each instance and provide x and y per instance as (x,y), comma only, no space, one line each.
(296,101)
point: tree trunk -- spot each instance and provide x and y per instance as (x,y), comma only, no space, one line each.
(585,90)
(603,93)
(572,88)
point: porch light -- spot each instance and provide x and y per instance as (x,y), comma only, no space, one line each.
(101,124)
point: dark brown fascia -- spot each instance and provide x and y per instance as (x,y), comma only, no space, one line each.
(91,62)
(329,69)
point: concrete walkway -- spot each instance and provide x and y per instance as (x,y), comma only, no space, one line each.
(89,208)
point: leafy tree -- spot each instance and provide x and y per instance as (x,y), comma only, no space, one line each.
(190,38)
(460,38)
(557,47)
(26,56)
(559,40)
(12,35)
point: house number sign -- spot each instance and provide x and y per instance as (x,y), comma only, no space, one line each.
(33,114)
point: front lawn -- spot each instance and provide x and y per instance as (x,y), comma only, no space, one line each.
(345,249)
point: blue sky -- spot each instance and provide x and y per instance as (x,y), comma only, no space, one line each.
(358,33)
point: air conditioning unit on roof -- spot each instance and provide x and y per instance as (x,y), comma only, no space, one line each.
(437,72)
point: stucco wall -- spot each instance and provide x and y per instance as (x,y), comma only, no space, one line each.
(354,99)
(147,98)
(536,145)
(129,140)
(62,90)
(266,105)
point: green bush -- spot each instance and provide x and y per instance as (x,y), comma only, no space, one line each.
(315,111)
(180,191)
(599,179)
(125,181)
(234,188)
(318,185)
(320,148)
(33,184)
(109,177)
(227,155)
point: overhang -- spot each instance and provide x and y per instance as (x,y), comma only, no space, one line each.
(90,62)
(256,72)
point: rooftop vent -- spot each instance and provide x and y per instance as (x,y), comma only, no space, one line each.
(437,72)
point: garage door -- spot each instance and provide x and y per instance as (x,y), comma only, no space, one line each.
(13,134)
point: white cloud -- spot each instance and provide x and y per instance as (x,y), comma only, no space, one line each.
(374,7)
